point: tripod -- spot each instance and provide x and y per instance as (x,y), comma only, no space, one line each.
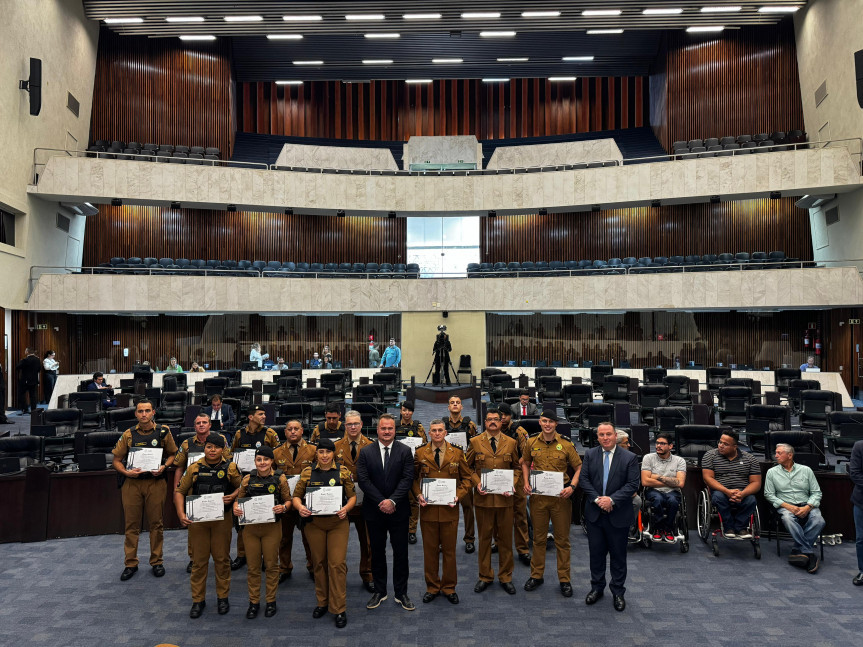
(442,359)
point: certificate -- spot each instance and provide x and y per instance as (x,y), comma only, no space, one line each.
(292,482)
(360,494)
(439,491)
(245,459)
(257,509)
(194,457)
(411,441)
(458,438)
(148,459)
(324,500)
(546,483)
(205,507)
(497,481)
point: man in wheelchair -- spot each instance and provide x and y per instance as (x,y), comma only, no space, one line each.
(663,476)
(733,477)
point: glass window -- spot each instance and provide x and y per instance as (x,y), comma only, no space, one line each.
(443,246)
(7,228)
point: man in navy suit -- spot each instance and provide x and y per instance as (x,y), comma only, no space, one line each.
(385,473)
(224,413)
(609,477)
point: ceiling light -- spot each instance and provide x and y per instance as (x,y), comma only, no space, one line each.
(284,36)
(778,9)
(184,19)
(418,80)
(243,18)
(578,58)
(365,16)
(724,9)
(377,61)
(481,14)
(661,12)
(517,59)
(597,32)
(561,78)
(601,12)
(308,62)
(198,37)
(289,82)
(706,29)
(496,34)
(307,18)
(421,16)
(387,35)
(122,21)
(495,80)
(447,60)
(540,14)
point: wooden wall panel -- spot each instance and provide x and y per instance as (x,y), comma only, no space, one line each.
(743,226)
(191,233)
(653,338)
(392,110)
(155,90)
(743,81)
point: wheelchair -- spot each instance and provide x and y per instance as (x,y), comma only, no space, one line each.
(681,527)
(707,513)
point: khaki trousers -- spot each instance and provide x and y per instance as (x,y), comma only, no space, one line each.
(559,510)
(441,534)
(210,538)
(328,539)
(495,522)
(262,540)
(290,521)
(139,496)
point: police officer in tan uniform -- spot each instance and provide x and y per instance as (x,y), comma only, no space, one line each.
(548,451)
(455,422)
(212,474)
(292,457)
(191,451)
(328,534)
(143,491)
(332,429)
(254,435)
(347,455)
(494,512)
(522,537)
(440,460)
(408,427)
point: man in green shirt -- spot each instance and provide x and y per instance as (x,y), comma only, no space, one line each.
(796,495)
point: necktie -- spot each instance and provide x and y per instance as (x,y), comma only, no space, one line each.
(386,458)
(294,450)
(437,457)
(353,450)
(494,446)
(219,414)
(523,410)
(606,463)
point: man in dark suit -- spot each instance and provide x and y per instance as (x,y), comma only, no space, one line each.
(385,473)
(855,471)
(524,408)
(224,413)
(609,477)
(28,381)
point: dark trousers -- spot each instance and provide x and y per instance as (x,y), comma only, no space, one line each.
(605,539)
(396,525)
(49,379)
(664,507)
(27,390)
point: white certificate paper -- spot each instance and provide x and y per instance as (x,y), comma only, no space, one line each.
(439,491)
(458,438)
(546,483)
(245,459)
(146,458)
(497,481)
(292,482)
(257,509)
(205,507)
(411,441)
(194,457)
(324,500)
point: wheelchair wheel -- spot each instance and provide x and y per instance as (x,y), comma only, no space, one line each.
(715,545)
(756,546)
(703,515)
(684,546)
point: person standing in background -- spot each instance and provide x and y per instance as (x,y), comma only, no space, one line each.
(28,381)
(255,355)
(327,356)
(392,355)
(374,355)
(50,368)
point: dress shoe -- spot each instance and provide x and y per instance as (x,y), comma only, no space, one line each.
(252,611)
(493,547)
(284,577)
(223,606)
(524,558)
(593,596)
(158,570)
(812,566)
(189,566)
(453,598)
(799,559)
(619,603)
(469,547)
(238,563)
(370,586)
(412,538)
(481,585)
(566,589)
(428,597)
(533,583)
(375,601)
(858,580)
(341,620)
(406,603)
(128,572)
(508,587)
(270,610)
(319,612)
(197,609)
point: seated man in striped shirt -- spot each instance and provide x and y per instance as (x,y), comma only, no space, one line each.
(733,477)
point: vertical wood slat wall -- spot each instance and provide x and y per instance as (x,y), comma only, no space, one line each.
(742,81)
(393,110)
(731,227)
(192,233)
(154,90)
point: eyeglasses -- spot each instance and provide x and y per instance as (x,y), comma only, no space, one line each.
(660,443)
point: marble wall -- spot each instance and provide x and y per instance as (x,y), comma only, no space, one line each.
(342,157)
(822,170)
(421,149)
(554,154)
